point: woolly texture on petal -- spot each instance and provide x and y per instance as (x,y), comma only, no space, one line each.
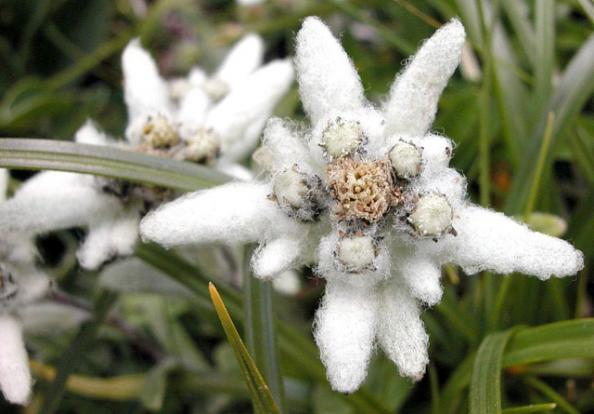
(145,92)
(15,378)
(250,102)
(287,283)
(33,284)
(4,176)
(328,82)
(414,95)
(401,333)
(344,332)
(236,212)
(286,147)
(245,57)
(276,256)
(54,200)
(89,133)
(421,276)
(488,240)
(109,239)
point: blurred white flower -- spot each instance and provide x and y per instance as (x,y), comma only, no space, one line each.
(21,284)
(366,194)
(213,120)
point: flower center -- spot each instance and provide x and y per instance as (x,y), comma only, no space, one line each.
(158,133)
(202,148)
(363,190)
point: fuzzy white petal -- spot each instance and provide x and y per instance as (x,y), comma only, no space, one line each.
(345,326)
(412,104)
(421,276)
(145,92)
(401,333)
(245,57)
(54,200)
(250,102)
(236,212)
(192,110)
(4,177)
(286,146)
(15,378)
(89,133)
(327,79)
(488,240)
(236,171)
(108,239)
(276,256)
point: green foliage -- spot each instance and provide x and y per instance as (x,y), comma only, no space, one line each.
(520,111)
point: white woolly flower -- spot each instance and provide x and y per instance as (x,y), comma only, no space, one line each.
(185,119)
(366,194)
(21,284)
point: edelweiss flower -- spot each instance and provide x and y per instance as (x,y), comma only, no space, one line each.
(20,284)
(199,119)
(367,195)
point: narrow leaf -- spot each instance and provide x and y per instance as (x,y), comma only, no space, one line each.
(39,154)
(259,391)
(532,408)
(485,388)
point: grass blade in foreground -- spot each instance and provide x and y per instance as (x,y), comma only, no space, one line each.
(259,391)
(485,388)
(41,154)
(533,408)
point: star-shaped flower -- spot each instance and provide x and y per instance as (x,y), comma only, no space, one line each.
(366,194)
(21,284)
(211,120)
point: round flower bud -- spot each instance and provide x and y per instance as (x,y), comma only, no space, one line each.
(297,194)
(432,215)
(342,138)
(159,133)
(356,253)
(202,147)
(216,88)
(290,188)
(406,160)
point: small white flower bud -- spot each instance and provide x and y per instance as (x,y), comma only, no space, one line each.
(158,132)
(297,194)
(356,253)
(406,160)
(290,188)
(432,215)
(202,147)
(342,138)
(216,88)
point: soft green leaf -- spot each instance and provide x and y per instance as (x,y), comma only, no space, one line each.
(485,387)
(546,223)
(532,408)
(37,154)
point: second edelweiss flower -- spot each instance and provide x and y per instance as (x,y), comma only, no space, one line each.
(214,120)
(366,194)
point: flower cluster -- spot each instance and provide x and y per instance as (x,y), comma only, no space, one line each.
(367,195)
(21,284)
(214,120)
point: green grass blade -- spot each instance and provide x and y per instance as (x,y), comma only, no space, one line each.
(39,154)
(560,340)
(260,332)
(532,408)
(549,392)
(75,353)
(259,391)
(485,386)
(575,87)
(522,27)
(545,51)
